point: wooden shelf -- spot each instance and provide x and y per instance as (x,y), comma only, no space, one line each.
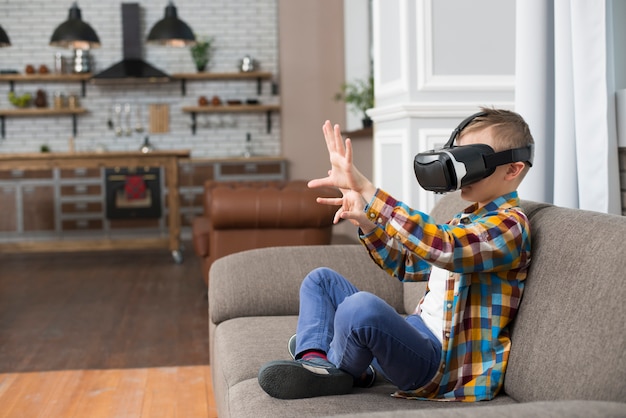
(46,78)
(231,108)
(45,111)
(259,76)
(268,109)
(37,112)
(52,77)
(222,76)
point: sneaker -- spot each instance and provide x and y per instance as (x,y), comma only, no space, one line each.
(291,346)
(299,379)
(365,381)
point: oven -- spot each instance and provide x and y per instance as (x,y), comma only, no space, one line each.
(133,192)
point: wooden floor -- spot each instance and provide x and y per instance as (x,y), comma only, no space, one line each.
(114,334)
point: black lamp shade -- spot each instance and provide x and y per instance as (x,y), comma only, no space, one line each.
(75,33)
(171,31)
(4,38)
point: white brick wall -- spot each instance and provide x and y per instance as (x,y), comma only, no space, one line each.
(239,27)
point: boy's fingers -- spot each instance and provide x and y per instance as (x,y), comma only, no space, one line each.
(332,201)
(323,182)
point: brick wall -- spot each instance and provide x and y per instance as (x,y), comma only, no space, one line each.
(239,27)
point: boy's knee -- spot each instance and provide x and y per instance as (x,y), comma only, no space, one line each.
(319,278)
(361,308)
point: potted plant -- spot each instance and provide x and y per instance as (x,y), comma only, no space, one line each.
(359,95)
(201,53)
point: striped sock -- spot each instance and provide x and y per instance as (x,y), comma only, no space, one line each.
(313,354)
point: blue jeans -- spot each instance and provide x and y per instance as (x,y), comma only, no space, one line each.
(357,329)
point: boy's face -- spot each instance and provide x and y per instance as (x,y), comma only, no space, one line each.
(494,186)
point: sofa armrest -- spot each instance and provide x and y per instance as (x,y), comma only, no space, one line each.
(201,231)
(266,281)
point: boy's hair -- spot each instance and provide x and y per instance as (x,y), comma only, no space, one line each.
(509,129)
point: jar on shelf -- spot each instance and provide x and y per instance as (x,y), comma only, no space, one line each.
(72,101)
(59,100)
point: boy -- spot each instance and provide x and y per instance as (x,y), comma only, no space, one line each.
(456,344)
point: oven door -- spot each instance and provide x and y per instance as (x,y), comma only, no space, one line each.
(133,193)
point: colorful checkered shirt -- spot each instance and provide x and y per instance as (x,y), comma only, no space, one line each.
(487,251)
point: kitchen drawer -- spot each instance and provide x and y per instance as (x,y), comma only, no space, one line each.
(81,224)
(79,173)
(195,174)
(81,190)
(250,168)
(25,174)
(8,209)
(38,208)
(81,207)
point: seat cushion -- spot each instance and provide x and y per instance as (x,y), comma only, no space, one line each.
(242,345)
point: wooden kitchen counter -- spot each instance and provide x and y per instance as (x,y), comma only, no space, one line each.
(167,159)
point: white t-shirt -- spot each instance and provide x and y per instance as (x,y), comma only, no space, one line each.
(432,306)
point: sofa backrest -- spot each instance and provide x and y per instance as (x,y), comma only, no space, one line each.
(568,340)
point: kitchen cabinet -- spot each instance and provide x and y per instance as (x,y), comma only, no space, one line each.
(16,171)
(27,205)
(59,199)
(226,108)
(47,111)
(80,199)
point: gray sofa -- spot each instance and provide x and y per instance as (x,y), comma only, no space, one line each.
(569,339)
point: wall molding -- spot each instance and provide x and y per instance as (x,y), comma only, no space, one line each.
(428,81)
(430,110)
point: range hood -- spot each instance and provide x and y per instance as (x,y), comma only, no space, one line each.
(132,68)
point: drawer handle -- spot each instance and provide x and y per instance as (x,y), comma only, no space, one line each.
(250,168)
(80,189)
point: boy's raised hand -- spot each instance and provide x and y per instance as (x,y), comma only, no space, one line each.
(343,174)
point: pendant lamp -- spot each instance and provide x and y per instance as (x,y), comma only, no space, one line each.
(74,32)
(4,38)
(171,31)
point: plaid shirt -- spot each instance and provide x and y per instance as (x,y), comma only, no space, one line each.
(487,251)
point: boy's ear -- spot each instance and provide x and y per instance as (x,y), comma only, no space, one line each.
(514,170)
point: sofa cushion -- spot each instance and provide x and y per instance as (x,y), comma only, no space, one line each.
(568,339)
(555,409)
(249,400)
(244,344)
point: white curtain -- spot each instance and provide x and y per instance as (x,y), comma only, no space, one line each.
(565,91)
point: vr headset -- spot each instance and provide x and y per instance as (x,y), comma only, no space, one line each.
(453,167)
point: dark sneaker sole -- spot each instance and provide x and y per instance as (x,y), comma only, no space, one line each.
(293,380)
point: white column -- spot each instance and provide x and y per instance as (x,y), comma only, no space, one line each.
(533,80)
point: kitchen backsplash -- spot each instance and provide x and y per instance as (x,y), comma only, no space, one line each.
(239,28)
